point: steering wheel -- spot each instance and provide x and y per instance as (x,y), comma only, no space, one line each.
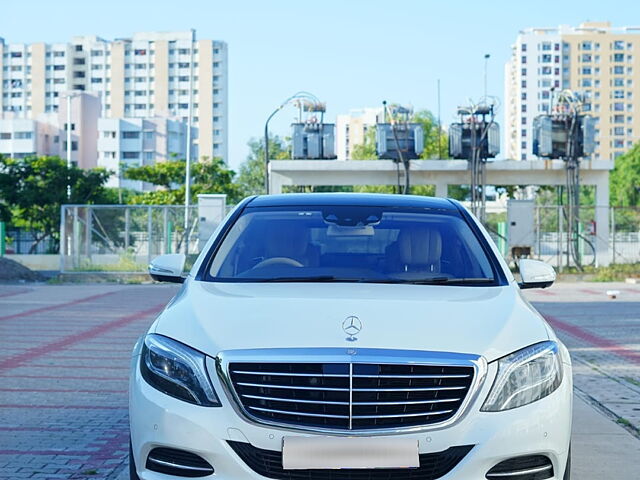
(278,260)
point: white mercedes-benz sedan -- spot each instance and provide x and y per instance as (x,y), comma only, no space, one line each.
(350,337)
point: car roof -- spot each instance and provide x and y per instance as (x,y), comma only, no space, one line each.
(352,199)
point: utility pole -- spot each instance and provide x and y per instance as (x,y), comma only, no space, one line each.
(486,60)
(69,96)
(187,180)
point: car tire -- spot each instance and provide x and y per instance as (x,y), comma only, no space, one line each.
(133,475)
(567,470)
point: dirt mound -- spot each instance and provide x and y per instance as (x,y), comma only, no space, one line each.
(11,271)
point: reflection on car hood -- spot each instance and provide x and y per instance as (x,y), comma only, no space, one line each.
(488,321)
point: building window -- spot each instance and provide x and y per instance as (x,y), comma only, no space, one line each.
(546,70)
(58,54)
(148,156)
(140,51)
(97,53)
(78,61)
(524,72)
(618,119)
(546,58)
(618,57)
(618,131)
(23,135)
(586,70)
(131,155)
(618,107)
(130,135)
(74,145)
(78,48)
(140,66)
(523,47)
(585,46)
(183,78)
(183,51)
(5,135)
(96,80)
(183,64)
(586,57)
(586,82)
(139,106)
(78,74)
(546,46)
(109,134)
(618,45)
(149,135)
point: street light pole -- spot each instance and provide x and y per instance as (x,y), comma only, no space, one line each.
(301,94)
(486,60)
(187,181)
(69,95)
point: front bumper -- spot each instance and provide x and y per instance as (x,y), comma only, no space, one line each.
(157,420)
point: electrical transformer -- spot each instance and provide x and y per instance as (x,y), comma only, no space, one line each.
(551,135)
(407,138)
(460,138)
(313,141)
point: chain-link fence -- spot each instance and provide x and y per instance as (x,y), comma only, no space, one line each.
(551,239)
(105,238)
(123,238)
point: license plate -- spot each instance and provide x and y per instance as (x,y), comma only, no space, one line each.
(302,453)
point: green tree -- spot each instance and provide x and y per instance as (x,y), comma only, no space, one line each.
(207,176)
(33,189)
(250,180)
(625,179)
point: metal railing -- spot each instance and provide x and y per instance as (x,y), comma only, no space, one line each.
(122,238)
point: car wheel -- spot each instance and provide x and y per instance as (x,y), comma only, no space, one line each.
(567,470)
(132,465)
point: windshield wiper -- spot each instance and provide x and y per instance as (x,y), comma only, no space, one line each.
(318,278)
(445,280)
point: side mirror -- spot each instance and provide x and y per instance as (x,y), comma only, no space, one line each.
(536,274)
(168,268)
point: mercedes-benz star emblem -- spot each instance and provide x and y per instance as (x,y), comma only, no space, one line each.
(352,326)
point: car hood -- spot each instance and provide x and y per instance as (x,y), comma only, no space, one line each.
(488,321)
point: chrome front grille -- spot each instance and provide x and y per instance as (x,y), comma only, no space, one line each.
(352,395)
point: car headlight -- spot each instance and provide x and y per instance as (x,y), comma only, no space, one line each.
(177,370)
(524,377)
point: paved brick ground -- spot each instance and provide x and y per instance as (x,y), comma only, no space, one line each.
(64,354)
(603,335)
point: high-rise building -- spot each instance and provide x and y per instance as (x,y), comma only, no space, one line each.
(352,129)
(596,60)
(148,75)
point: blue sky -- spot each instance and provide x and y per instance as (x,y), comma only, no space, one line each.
(349,53)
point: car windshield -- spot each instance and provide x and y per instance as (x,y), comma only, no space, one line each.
(351,244)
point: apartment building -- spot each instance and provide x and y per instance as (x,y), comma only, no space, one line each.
(149,75)
(599,61)
(352,128)
(46,134)
(133,142)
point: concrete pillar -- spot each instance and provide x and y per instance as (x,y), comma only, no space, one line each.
(603,250)
(442,189)
(276,181)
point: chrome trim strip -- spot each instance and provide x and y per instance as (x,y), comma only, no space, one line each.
(409,402)
(402,415)
(292,387)
(350,396)
(349,355)
(301,414)
(287,374)
(515,473)
(421,389)
(294,400)
(177,465)
(338,375)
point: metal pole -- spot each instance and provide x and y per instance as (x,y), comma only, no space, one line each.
(127,220)
(486,60)
(439,125)
(63,237)
(2,239)
(613,233)
(149,228)
(68,146)
(266,154)
(187,182)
